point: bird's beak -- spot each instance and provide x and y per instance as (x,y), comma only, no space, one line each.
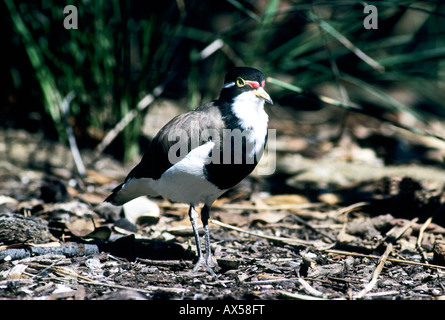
(260,92)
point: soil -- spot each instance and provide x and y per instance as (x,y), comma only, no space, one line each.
(309,231)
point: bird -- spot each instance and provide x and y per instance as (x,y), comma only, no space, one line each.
(200,154)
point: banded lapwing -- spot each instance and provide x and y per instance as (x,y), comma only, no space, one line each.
(200,154)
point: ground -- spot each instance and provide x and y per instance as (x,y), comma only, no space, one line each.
(340,218)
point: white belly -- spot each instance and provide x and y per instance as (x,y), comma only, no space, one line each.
(183,182)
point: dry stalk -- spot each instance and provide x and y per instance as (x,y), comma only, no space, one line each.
(240,206)
(369,256)
(376,272)
(291,241)
(68,272)
(148,289)
(399,232)
(422,231)
(351,208)
(420,238)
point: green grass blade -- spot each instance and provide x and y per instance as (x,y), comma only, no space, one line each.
(388,100)
(248,12)
(347,43)
(435,53)
(45,78)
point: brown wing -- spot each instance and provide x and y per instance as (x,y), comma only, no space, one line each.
(173,135)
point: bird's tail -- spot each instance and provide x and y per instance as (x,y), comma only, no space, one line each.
(129,190)
(114,197)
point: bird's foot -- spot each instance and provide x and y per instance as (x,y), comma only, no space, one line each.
(206,263)
(211,262)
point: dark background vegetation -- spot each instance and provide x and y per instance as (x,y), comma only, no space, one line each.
(122,50)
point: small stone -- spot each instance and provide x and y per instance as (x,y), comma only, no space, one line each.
(439,253)
(93,264)
(228,264)
(142,211)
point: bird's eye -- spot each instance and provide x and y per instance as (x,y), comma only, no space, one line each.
(240,82)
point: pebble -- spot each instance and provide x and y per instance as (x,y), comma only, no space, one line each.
(93,264)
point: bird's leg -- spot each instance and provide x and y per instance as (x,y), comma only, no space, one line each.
(201,261)
(205,214)
(193,215)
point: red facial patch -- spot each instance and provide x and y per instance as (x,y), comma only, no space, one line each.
(253,84)
(263,83)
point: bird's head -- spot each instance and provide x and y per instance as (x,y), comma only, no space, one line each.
(243,79)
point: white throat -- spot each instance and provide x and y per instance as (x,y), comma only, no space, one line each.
(250,111)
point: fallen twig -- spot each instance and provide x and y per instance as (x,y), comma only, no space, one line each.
(383,293)
(420,237)
(306,286)
(383,259)
(167,263)
(240,206)
(376,272)
(148,289)
(46,268)
(308,225)
(69,250)
(309,289)
(67,272)
(351,208)
(291,241)
(299,296)
(361,255)
(65,111)
(85,280)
